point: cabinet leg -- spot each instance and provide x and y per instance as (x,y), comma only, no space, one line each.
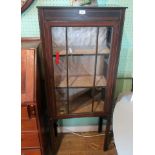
(100,122)
(53,140)
(107,135)
(55,128)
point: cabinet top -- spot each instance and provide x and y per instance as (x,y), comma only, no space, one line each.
(83,14)
(108,7)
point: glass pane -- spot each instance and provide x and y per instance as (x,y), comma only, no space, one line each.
(80,100)
(60,72)
(59,40)
(60,68)
(81,71)
(101,67)
(102,62)
(98,105)
(82,40)
(103,40)
(106,56)
(61,100)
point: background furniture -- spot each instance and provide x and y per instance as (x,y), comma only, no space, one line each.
(34,140)
(80,51)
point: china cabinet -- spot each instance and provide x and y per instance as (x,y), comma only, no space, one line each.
(81,47)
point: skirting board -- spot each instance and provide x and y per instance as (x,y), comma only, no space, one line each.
(78,129)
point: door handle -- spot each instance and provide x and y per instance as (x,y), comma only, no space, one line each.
(31,111)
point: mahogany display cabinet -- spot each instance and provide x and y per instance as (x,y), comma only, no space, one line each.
(81,47)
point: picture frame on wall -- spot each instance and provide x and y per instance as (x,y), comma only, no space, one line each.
(25,4)
(83,2)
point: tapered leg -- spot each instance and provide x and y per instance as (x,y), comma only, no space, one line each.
(53,139)
(55,128)
(100,122)
(107,134)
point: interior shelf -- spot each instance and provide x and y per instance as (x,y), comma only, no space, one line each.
(87,107)
(81,52)
(82,106)
(83,81)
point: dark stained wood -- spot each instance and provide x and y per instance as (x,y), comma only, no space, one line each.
(74,115)
(91,14)
(100,124)
(112,73)
(47,55)
(49,90)
(31,152)
(80,23)
(70,17)
(94,80)
(68,103)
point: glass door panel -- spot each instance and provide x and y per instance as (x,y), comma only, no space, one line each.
(81,71)
(82,40)
(60,68)
(80,100)
(58,40)
(103,59)
(98,104)
(100,78)
(61,101)
(80,60)
(60,72)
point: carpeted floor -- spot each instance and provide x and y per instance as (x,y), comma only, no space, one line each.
(75,145)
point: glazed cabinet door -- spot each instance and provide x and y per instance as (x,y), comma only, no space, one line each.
(80,60)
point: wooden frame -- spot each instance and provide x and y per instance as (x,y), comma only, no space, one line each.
(65,16)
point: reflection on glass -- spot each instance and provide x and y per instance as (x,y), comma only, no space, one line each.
(61,100)
(81,71)
(81,40)
(100,79)
(59,40)
(98,105)
(80,100)
(60,72)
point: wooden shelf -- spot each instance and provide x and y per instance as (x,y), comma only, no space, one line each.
(82,82)
(82,107)
(82,52)
(81,102)
(86,107)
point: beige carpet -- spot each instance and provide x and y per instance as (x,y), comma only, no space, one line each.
(75,145)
